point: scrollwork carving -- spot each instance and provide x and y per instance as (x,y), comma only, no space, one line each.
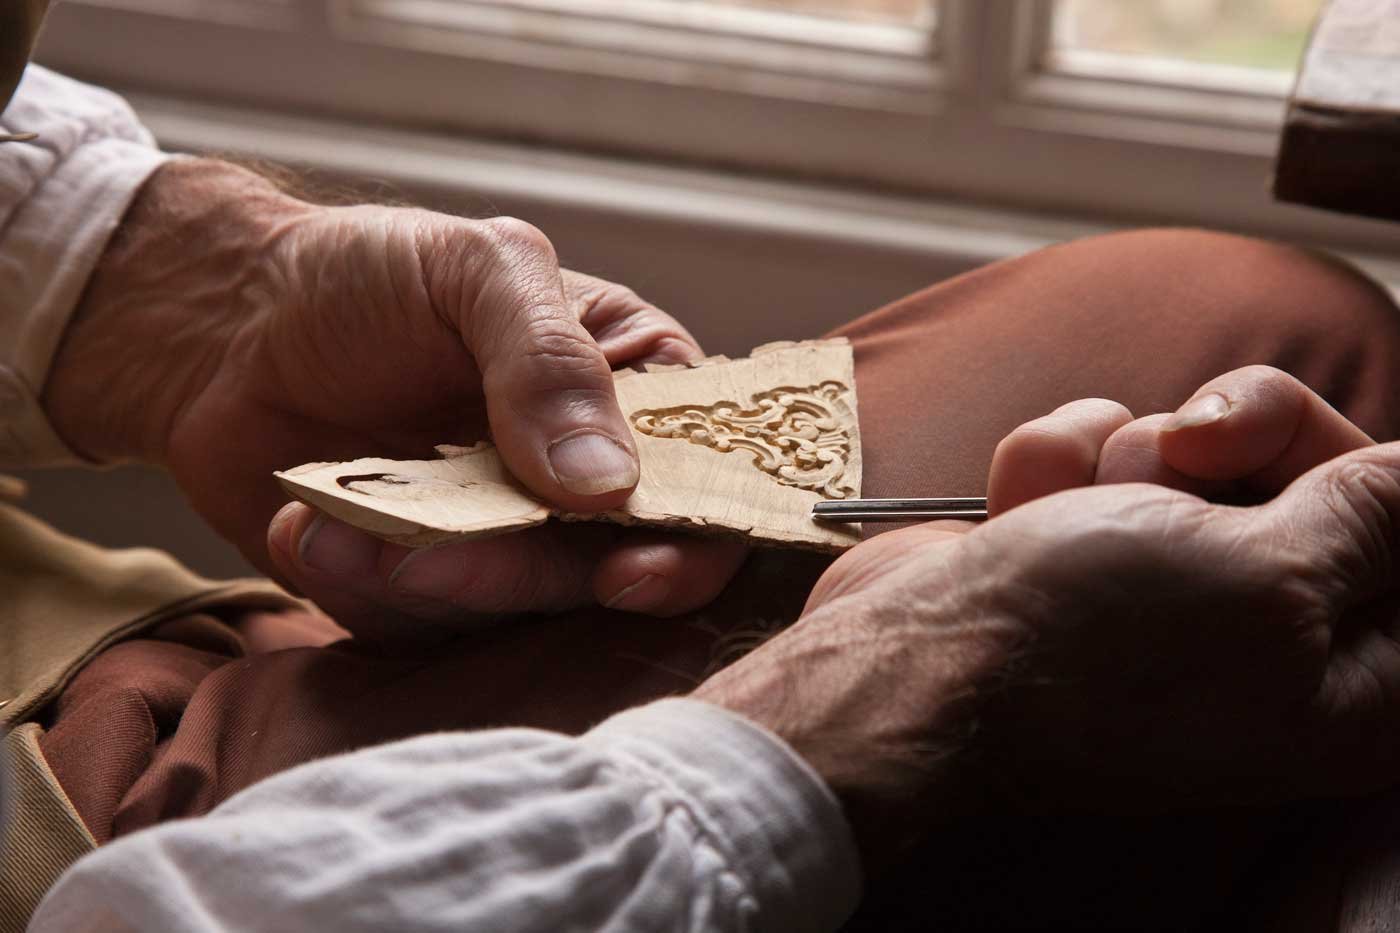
(799,436)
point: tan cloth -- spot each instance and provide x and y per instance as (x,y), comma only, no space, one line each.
(62,602)
(42,833)
(65,600)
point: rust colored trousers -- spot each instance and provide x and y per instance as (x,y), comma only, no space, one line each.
(171,724)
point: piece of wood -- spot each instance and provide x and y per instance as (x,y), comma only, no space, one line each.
(740,446)
(1340,147)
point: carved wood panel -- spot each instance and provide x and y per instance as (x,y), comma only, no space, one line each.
(742,446)
(800,437)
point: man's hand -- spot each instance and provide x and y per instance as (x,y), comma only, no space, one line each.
(231,330)
(1120,647)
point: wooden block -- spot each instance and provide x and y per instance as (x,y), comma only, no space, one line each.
(1341,139)
(740,446)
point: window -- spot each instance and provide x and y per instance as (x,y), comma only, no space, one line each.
(1259,34)
(1133,109)
(909,12)
(1248,46)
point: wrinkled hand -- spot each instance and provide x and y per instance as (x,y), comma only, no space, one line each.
(1122,646)
(232,331)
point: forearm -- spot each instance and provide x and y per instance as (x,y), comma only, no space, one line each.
(168,297)
(61,196)
(672,817)
(883,701)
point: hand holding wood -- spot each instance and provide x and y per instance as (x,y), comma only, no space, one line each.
(729,449)
(230,331)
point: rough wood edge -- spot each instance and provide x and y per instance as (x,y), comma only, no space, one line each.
(402,531)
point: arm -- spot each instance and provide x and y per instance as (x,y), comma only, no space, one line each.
(675,816)
(1124,648)
(61,198)
(229,330)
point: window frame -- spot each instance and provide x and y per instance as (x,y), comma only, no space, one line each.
(988,113)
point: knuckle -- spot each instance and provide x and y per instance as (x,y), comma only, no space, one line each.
(1364,484)
(1263,373)
(1094,409)
(648,335)
(671,346)
(1340,546)
(600,304)
(511,236)
(526,589)
(1360,494)
(626,325)
(1048,441)
(549,354)
(438,251)
(590,299)
(548,339)
(606,306)
(1271,385)
(1141,434)
(1144,527)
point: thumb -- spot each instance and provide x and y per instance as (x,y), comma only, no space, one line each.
(1257,424)
(1344,517)
(549,390)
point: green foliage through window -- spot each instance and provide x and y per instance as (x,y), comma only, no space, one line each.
(1268,34)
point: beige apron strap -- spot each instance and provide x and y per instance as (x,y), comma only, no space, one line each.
(63,600)
(19,28)
(41,833)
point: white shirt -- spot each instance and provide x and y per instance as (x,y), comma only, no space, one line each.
(61,197)
(675,816)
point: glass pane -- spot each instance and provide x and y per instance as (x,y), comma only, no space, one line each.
(1267,34)
(912,12)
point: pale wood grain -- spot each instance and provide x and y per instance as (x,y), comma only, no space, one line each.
(778,432)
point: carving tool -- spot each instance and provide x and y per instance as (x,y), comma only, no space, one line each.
(900,510)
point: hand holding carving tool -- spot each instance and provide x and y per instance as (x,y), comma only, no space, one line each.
(970,509)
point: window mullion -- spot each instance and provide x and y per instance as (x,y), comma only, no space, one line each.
(1033,35)
(989,46)
(959,31)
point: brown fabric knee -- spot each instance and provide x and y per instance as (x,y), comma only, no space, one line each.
(1143,318)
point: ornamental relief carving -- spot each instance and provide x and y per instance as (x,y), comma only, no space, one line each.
(800,437)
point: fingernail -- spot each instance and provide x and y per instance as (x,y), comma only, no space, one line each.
(334,547)
(1204,410)
(431,573)
(644,595)
(592,464)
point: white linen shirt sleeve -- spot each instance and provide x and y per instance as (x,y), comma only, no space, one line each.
(676,816)
(61,197)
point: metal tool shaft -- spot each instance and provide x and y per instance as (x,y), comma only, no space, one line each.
(900,510)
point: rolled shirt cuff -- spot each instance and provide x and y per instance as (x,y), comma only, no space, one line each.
(779,825)
(73,186)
